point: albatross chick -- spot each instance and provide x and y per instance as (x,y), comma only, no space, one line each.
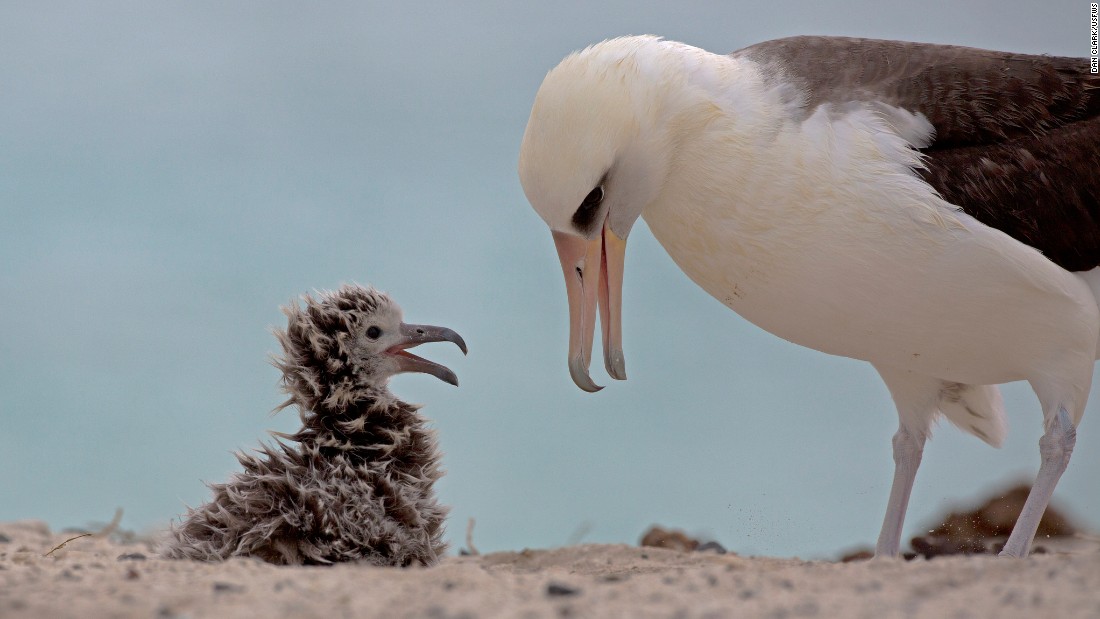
(355,482)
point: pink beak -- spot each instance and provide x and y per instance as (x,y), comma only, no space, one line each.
(593,277)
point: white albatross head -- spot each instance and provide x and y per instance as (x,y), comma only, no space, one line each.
(594,154)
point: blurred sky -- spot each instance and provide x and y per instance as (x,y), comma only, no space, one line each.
(171,173)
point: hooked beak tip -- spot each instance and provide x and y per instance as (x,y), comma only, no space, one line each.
(579,373)
(415,335)
(615,362)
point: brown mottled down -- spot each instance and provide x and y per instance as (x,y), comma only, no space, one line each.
(1017,136)
(355,482)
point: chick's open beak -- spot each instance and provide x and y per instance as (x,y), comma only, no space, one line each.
(415,335)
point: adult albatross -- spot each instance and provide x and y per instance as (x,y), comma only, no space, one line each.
(931,209)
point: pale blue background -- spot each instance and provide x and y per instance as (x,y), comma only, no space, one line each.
(170,173)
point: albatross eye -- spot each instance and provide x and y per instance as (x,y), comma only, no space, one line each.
(586,214)
(373,332)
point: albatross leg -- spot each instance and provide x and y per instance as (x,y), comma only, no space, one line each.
(1055,448)
(908,449)
(917,398)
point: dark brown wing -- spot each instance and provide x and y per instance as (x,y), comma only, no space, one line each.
(1017,141)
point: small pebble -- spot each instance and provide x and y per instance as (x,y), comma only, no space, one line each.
(857,555)
(132,556)
(227,587)
(558,589)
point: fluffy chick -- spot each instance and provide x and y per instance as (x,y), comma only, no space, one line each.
(355,482)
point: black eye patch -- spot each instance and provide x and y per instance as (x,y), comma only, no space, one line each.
(585,216)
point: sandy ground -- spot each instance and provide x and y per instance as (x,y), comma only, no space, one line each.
(100,577)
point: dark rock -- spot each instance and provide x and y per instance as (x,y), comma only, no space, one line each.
(555,589)
(858,555)
(711,547)
(227,587)
(132,556)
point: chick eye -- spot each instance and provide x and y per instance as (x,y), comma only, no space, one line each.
(586,213)
(373,332)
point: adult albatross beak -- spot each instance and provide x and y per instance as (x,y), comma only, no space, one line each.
(593,276)
(415,335)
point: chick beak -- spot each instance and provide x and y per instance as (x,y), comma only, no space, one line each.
(415,335)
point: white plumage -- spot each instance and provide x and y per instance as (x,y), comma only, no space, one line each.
(804,203)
